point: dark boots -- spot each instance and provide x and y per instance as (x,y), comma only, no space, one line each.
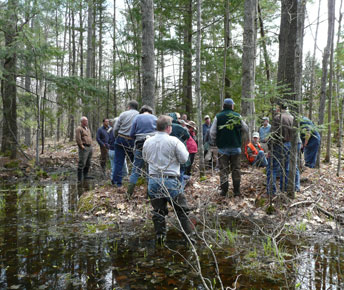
(224,188)
(86,169)
(80,175)
(236,185)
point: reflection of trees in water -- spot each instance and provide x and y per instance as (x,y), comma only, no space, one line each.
(11,238)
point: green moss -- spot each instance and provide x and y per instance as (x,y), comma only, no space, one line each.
(12,164)
(85,203)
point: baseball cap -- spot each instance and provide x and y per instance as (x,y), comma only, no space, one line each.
(255,134)
(228,101)
(206,117)
(265,118)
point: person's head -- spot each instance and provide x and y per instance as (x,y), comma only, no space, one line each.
(185,117)
(207,119)
(255,137)
(191,126)
(182,122)
(164,124)
(146,109)
(265,121)
(133,105)
(84,121)
(106,122)
(111,122)
(228,104)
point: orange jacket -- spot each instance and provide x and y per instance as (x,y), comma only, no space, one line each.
(254,151)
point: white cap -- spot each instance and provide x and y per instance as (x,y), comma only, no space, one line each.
(255,134)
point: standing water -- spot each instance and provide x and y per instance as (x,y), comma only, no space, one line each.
(46,244)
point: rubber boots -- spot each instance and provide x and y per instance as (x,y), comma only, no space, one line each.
(236,185)
(224,188)
(80,175)
(86,169)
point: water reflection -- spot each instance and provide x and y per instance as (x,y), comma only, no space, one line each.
(45,244)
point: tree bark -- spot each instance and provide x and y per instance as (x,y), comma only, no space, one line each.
(311,92)
(248,63)
(265,51)
(9,88)
(148,61)
(187,60)
(198,89)
(331,5)
(114,52)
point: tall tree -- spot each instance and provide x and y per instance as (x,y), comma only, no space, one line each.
(148,61)
(248,62)
(327,51)
(9,81)
(187,59)
(310,114)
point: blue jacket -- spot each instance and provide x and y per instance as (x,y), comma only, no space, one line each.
(103,137)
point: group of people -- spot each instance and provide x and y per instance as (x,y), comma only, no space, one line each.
(167,146)
(274,149)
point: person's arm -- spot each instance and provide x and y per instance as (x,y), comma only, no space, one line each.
(182,153)
(78,138)
(133,128)
(244,127)
(98,138)
(213,131)
(117,126)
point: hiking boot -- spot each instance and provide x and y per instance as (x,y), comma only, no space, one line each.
(86,169)
(130,191)
(236,185)
(224,188)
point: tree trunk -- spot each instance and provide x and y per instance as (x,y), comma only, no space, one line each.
(114,61)
(311,91)
(248,63)
(148,61)
(9,88)
(225,86)
(288,76)
(295,107)
(198,90)
(340,138)
(265,51)
(329,111)
(187,58)
(331,5)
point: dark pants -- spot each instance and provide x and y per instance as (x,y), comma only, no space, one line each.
(311,150)
(234,162)
(168,190)
(189,167)
(85,156)
(123,148)
(104,155)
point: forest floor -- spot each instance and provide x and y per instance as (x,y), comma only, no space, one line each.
(319,204)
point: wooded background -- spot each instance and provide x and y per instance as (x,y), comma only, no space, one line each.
(66,58)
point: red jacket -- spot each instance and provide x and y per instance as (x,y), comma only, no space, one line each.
(254,151)
(191,145)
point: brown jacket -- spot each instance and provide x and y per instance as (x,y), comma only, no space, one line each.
(282,126)
(83,136)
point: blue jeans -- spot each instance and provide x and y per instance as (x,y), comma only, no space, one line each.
(280,157)
(260,160)
(164,187)
(123,147)
(137,167)
(112,161)
(311,150)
